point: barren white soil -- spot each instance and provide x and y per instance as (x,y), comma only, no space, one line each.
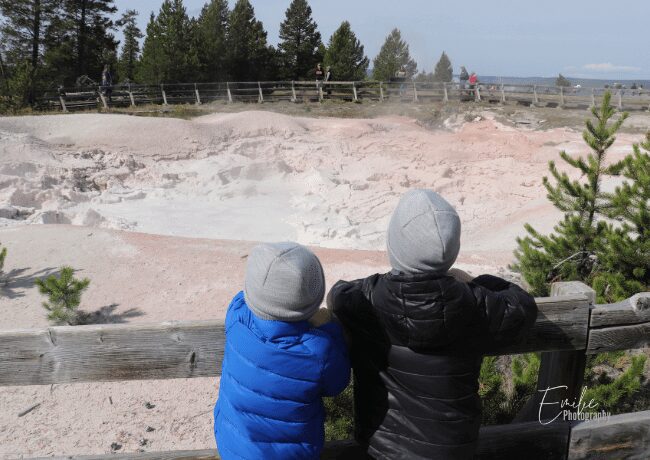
(161,213)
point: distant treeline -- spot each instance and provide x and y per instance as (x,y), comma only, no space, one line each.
(45,44)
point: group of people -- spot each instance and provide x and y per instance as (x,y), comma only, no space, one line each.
(414,337)
(467,78)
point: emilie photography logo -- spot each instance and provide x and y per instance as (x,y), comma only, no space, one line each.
(570,410)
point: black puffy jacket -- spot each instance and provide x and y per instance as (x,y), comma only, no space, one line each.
(416,345)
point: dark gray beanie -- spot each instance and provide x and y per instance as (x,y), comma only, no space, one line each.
(423,234)
(284,282)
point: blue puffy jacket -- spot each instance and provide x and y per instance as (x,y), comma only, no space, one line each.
(273,378)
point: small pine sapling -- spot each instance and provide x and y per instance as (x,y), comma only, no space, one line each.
(3,256)
(570,252)
(625,253)
(64,295)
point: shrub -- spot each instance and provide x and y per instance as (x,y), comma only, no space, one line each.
(64,295)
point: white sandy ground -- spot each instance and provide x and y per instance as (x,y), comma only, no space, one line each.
(186,191)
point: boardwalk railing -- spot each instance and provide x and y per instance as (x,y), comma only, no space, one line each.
(569,327)
(71,99)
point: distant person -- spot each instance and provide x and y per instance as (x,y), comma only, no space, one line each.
(107,83)
(464,76)
(320,74)
(282,355)
(400,77)
(418,335)
(473,82)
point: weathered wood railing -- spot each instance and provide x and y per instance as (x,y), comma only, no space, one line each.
(569,327)
(70,99)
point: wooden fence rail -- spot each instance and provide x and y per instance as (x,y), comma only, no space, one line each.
(569,326)
(71,99)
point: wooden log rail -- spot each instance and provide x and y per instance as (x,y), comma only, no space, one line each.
(569,327)
(70,99)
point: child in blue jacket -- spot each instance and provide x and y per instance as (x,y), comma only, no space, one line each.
(279,360)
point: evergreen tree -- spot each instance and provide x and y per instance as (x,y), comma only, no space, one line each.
(249,56)
(394,55)
(79,41)
(168,55)
(3,256)
(130,55)
(625,254)
(150,69)
(23,28)
(570,253)
(345,55)
(64,295)
(562,81)
(211,35)
(443,71)
(300,42)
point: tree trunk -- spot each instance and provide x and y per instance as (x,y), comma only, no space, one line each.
(81,41)
(36,43)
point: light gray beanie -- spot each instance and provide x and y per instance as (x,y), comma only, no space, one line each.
(284,282)
(423,234)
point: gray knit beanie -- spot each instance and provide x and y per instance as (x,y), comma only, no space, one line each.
(423,234)
(284,282)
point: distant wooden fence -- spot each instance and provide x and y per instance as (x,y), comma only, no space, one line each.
(568,328)
(71,99)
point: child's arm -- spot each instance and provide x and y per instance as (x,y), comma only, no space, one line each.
(336,372)
(509,311)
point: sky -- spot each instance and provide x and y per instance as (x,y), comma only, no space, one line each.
(582,39)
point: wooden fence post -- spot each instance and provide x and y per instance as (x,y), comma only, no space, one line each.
(354,91)
(261,96)
(477,94)
(198,96)
(103,99)
(559,368)
(131,96)
(381,92)
(593,97)
(503,94)
(62,101)
(229,93)
(446,95)
(293,92)
(561,97)
(415,93)
(620,99)
(164,94)
(535,97)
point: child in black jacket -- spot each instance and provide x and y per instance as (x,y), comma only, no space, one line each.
(418,335)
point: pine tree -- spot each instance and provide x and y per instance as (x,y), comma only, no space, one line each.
(64,295)
(168,55)
(249,56)
(130,55)
(345,55)
(3,256)
(394,55)
(79,41)
(150,69)
(625,254)
(23,27)
(611,393)
(211,36)
(570,252)
(443,71)
(562,81)
(300,42)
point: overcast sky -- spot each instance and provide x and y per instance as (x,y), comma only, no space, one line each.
(586,39)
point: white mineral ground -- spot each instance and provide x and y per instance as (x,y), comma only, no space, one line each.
(160,214)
